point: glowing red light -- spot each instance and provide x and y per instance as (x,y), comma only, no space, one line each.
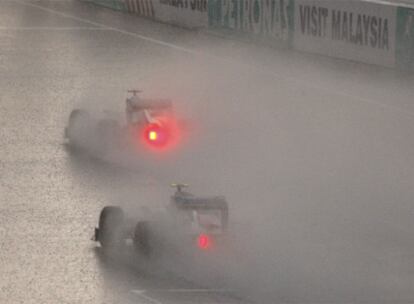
(156,136)
(204,241)
(152,135)
(162,136)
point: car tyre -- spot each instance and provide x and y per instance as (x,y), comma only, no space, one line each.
(111,222)
(77,126)
(106,135)
(142,239)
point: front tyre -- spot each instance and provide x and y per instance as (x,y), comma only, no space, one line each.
(78,127)
(111,222)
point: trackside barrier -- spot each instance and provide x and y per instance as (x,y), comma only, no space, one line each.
(378,33)
(271,20)
(355,30)
(405,38)
(186,13)
(143,8)
(113,4)
(372,32)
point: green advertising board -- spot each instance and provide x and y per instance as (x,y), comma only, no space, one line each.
(257,18)
(113,4)
(405,38)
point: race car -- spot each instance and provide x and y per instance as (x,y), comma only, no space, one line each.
(148,124)
(187,223)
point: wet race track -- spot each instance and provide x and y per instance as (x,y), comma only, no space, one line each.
(314,155)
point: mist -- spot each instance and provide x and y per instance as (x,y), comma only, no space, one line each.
(318,174)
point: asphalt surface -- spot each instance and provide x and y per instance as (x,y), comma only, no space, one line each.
(50,198)
(315,156)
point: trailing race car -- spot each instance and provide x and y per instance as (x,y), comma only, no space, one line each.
(187,222)
(148,124)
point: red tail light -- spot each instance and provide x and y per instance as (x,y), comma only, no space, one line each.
(204,242)
(162,136)
(155,135)
(152,135)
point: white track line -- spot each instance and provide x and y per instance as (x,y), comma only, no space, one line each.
(181,290)
(142,37)
(142,295)
(400,110)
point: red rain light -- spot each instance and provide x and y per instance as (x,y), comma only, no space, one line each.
(204,241)
(155,135)
(160,137)
(152,135)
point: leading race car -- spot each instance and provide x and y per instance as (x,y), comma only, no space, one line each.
(148,124)
(187,223)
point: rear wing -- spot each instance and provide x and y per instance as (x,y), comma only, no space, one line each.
(208,203)
(218,202)
(153,104)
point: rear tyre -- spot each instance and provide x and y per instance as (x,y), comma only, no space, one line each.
(111,222)
(142,239)
(78,126)
(106,135)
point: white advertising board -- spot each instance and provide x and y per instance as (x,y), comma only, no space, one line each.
(187,13)
(355,30)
